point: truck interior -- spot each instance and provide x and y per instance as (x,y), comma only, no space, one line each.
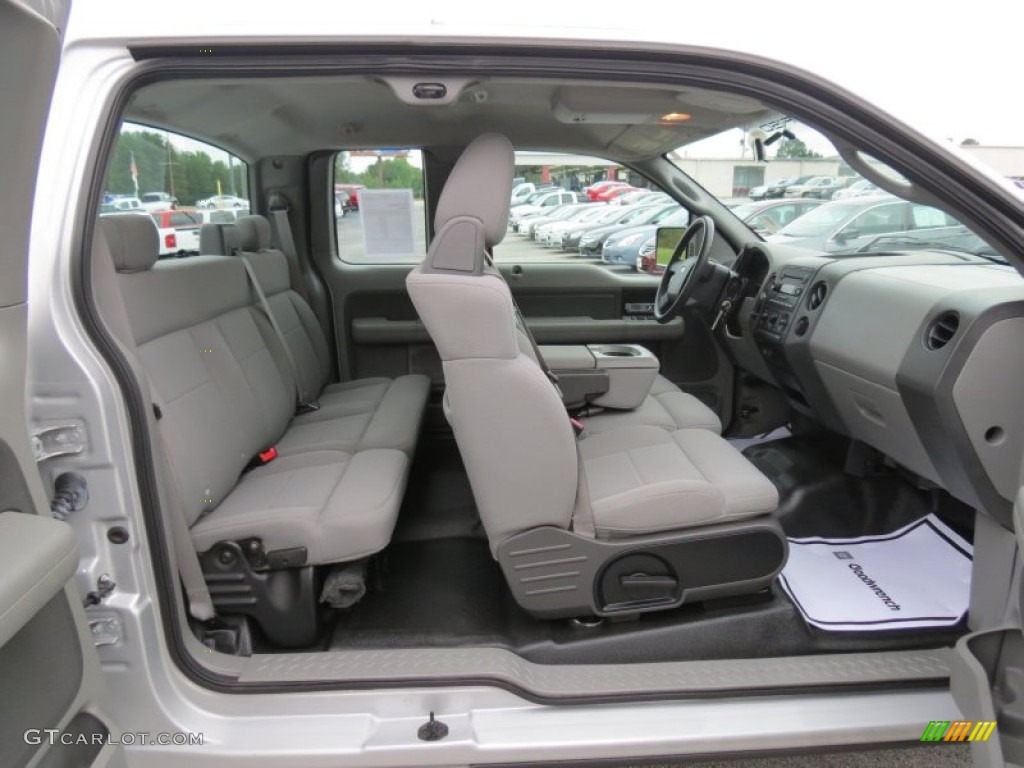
(566,461)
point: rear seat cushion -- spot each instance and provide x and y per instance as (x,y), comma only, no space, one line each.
(644,479)
(339,507)
(363,414)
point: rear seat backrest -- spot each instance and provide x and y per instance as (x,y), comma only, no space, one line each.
(222,395)
(302,332)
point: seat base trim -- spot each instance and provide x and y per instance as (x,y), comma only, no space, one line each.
(556,573)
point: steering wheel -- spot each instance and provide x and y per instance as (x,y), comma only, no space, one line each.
(684,269)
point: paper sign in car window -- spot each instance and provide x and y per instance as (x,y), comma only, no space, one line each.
(387,222)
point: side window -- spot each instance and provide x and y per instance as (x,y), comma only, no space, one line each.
(926,217)
(378,204)
(158,170)
(880,221)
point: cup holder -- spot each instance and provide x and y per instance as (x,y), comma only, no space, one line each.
(617,350)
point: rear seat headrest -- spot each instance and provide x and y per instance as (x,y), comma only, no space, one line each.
(253,233)
(219,239)
(133,240)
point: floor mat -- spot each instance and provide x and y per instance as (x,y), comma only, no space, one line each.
(917,577)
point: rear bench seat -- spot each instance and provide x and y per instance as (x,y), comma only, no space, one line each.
(225,393)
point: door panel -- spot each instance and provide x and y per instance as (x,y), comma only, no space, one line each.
(48,665)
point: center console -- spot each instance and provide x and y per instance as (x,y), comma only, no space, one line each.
(604,375)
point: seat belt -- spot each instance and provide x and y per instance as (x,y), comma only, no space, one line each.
(200,604)
(521,322)
(283,226)
(300,393)
(582,514)
(109,298)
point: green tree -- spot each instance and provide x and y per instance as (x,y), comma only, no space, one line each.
(396,173)
(343,174)
(150,152)
(794,149)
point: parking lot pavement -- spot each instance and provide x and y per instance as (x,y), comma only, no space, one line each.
(513,248)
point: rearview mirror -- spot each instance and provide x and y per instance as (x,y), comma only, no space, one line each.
(850,233)
(665,243)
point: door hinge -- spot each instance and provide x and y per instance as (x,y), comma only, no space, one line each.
(59,440)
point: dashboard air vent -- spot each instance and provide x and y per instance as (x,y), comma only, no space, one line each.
(817,295)
(942,330)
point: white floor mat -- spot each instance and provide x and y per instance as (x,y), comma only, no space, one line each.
(916,577)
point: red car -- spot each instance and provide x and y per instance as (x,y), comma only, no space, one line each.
(352,190)
(598,187)
(610,193)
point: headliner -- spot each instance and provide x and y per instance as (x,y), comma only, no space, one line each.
(260,117)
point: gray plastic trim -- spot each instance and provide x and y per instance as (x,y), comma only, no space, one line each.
(593,681)
(554,330)
(557,573)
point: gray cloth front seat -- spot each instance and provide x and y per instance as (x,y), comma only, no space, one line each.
(681,495)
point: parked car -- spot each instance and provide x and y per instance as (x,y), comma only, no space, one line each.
(639,197)
(876,223)
(352,190)
(522,191)
(591,241)
(223,201)
(609,193)
(527,226)
(768,216)
(598,187)
(646,258)
(811,187)
(123,203)
(778,188)
(758,192)
(178,230)
(158,201)
(623,247)
(550,235)
(539,201)
(219,215)
(342,202)
(861,188)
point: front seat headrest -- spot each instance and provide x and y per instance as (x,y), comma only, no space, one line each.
(480,187)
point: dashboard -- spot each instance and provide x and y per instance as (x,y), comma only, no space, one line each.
(919,355)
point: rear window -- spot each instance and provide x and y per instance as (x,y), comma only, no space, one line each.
(380,215)
(155,166)
(182,219)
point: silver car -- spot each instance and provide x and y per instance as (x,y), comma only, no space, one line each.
(873,224)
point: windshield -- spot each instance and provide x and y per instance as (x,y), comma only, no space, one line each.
(793,175)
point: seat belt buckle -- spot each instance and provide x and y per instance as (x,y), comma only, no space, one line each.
(307,408)
(262,458)
(577,426)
